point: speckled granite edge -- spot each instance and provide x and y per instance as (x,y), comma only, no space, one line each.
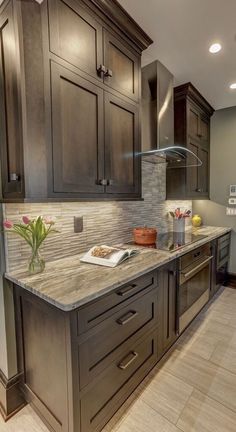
(68,284)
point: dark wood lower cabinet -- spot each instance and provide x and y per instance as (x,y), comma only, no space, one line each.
(118,381)
(79,366)
(77,374)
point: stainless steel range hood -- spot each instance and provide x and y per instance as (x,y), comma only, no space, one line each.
(158,120)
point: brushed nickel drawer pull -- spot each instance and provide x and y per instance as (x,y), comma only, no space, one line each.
(127,317)
(128,360)
(126,290)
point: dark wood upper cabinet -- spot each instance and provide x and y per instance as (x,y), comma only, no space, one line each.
(121,145)
(76,36)
(92,97)
(77,126)
(122,66)
(22,129)
(69,100)
(10,109)
(203,172)
(193,122)
(192,130)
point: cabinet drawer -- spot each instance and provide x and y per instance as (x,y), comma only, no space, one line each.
(117,382)
(112,332)
(94,313)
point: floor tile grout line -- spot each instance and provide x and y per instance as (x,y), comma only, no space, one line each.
(161,415)
(214,400)
(173,423)
(185,405)
(222,367)
(206,394)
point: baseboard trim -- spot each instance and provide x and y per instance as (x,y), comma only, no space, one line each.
(231,280)
(11,398)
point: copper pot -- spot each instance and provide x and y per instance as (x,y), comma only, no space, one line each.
(145,236)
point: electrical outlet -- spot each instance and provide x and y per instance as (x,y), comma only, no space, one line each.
(78,224)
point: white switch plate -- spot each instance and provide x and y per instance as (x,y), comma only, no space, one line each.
(232,201)
(230,211)
(232,190)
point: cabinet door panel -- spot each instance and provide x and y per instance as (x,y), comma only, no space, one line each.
(205,130)
(192,171)
(124,65)
(121,146)
(203,172)
(10,111)
(77,133)
(193,122)
(75,36)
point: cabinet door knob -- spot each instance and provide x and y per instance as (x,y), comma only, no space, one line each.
(101,70)
(102,182)
(108,73)
(14,177)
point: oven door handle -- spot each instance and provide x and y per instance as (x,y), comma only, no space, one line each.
(196,269)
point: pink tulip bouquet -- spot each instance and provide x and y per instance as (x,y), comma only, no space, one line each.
(34,232)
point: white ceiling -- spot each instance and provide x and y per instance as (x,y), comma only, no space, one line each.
(182,31)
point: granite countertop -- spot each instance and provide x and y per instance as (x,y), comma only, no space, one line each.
(68,284)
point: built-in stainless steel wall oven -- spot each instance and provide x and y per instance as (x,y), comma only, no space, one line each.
(194,279)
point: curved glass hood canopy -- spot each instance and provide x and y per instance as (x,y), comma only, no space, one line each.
(174,156)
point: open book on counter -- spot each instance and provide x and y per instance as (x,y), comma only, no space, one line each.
(108,256)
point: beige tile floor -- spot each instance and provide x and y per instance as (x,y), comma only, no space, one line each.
(192,390)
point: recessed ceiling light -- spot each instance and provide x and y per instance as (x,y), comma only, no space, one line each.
(215,48)
(233,86)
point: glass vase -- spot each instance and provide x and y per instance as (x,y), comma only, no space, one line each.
(36,262)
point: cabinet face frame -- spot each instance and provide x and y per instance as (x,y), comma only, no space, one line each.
(11,188)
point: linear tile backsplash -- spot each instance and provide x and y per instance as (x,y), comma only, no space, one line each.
(104,222)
